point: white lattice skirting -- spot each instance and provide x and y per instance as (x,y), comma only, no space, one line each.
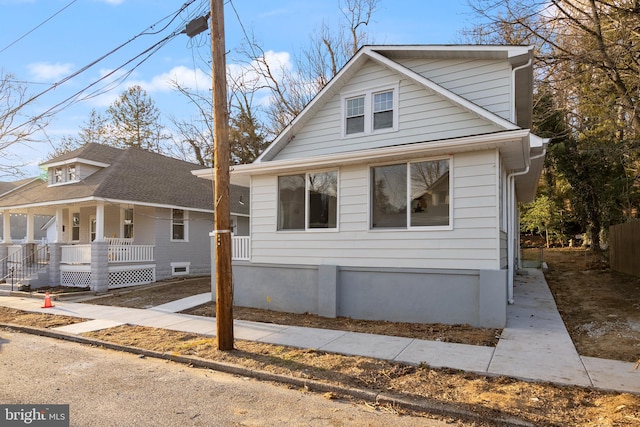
(124,276)
(119,277)
(77,279)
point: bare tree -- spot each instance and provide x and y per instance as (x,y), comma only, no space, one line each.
(292,88)
(15,126)
(193,140)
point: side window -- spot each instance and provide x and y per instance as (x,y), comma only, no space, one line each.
(178,225)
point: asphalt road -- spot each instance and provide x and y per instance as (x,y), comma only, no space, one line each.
(109,388)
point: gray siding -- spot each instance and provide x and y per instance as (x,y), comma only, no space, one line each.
(471,243)
(196,250)
(486,83)
(423,116)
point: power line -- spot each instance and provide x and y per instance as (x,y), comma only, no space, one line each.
(66,102)
(153,49)
(36,27)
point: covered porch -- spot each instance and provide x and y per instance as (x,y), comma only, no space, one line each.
(77,251)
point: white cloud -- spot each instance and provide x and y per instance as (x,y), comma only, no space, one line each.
(45,71)
(193,79)
(247,75)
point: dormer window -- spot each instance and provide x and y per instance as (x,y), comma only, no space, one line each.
(71,173)
(57,175)
(369,112)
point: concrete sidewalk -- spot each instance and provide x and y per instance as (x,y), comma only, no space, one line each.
(534,346)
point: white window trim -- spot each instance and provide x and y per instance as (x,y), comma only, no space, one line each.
(185,220)
(180,265)
(408,226)
(368,110)
(63,175)
(306,205)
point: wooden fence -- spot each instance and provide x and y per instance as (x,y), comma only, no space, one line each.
(624,247)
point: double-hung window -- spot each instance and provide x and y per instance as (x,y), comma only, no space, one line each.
(179,229)
(71,173)
(414,194)
(355,115)
(383,110)
(370,112)
(308,201)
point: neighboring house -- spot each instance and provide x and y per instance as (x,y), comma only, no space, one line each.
(393,195)
(19,221)
(120,218)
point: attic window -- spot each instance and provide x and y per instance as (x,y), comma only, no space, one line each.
(57,175)
(355,115)
(370,112)
(71,173)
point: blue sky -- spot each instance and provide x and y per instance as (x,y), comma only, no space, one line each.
(44,41)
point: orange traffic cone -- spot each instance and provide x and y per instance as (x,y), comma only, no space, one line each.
(47,301)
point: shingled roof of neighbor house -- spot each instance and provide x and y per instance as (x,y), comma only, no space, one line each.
(127,175)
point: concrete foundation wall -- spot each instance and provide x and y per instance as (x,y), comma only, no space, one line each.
(474,297)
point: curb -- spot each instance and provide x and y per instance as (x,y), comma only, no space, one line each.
(415,403)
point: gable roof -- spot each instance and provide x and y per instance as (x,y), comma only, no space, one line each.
(129,175)
(519,58)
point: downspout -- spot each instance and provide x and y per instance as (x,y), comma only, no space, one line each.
(511,195)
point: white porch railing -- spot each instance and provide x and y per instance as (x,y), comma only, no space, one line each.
(81,254)
(131,253)
(241,247)
(76,254)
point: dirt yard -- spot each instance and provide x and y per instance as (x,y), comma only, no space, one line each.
(600,309)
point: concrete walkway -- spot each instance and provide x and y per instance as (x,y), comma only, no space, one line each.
(534,346)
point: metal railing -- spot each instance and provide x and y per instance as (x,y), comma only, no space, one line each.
(24,262)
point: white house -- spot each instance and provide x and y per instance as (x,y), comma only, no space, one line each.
(393,195)
(120,218)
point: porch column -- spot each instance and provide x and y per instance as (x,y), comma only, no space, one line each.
(30,226)
(100,222)
(99,265)
(6,227)
(59,224)
(55,257)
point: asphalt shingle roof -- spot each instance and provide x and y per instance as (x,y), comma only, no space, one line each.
(133,175)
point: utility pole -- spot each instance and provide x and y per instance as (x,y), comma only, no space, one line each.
(222,205)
